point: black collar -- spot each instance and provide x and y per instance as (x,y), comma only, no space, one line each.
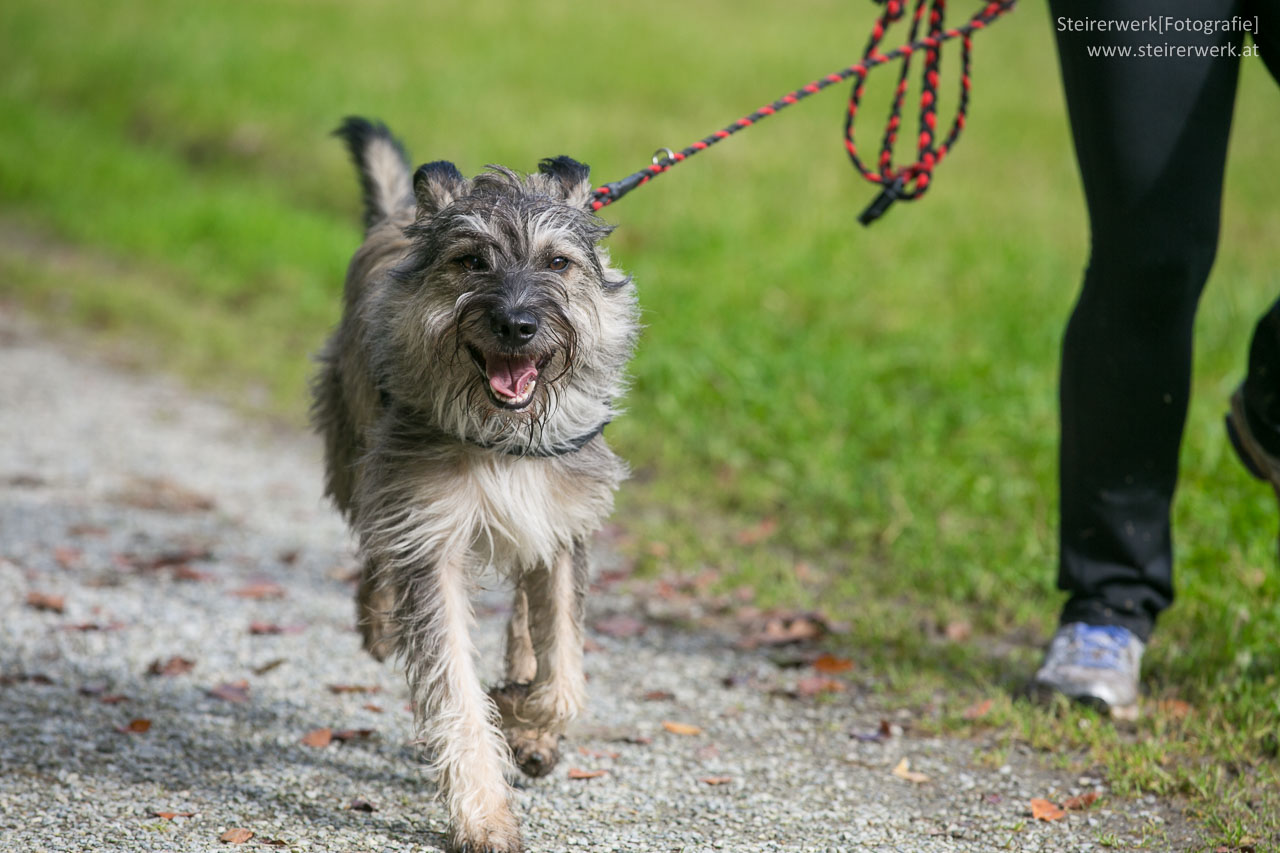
(573,445)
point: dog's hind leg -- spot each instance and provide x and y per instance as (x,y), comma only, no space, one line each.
(453,717)
(375,601)
(522,665)
(535,718)
(556,600)
(535,752)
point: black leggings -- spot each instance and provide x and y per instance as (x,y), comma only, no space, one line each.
(1151,140)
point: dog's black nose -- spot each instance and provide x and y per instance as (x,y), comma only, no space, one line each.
(513,327)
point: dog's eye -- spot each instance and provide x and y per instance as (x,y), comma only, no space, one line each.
(559,263)
(473,263)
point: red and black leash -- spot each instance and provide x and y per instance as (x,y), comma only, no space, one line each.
(907,182)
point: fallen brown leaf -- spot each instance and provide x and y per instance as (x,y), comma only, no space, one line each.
(184,572)
(579,773)
(271,628)
(716,780)
(231,691)
(174,558)
(681,728)
(829,664)
(67,557)
(658,696)
(903,771)
(262,589)
(977,710)
(813,685)
(163,495)
(1082,802)
(25,678)
(783,630)
(882,733)
(757,533)
(793,657)
(114,699)
(369,706)
(135,727)
(661,550)
(172,815)
(621,626)
(1178,709)
(268,666)
(318,738)
(362,806)
(352,734)
(85,627)
(173,666)
(46,601)
(235,836)
(635,740)
(1045,810)
(354,688)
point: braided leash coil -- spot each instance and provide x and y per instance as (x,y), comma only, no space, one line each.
(909,182)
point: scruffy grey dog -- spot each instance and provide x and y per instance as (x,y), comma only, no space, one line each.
(462,398)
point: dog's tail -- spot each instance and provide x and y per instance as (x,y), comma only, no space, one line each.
(385,174)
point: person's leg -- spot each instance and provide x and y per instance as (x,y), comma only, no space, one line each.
(1260,392)
(1151,137)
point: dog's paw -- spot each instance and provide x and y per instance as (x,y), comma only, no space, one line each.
(535,753)
(498,835)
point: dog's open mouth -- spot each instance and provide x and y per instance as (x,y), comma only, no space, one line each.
(512,379)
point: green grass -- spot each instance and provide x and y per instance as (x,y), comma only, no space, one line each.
(887,395)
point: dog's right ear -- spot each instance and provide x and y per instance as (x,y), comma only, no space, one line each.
(436,185)
(573,178)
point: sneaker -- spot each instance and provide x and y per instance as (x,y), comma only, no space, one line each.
(1096,665)
(1260,463)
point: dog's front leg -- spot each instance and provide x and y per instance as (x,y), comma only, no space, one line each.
(453,717)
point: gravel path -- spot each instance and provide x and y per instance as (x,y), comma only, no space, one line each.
(141,511)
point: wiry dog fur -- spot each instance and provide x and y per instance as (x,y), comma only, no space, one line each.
(448,459)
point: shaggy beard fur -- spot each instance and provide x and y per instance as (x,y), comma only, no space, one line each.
(482,348)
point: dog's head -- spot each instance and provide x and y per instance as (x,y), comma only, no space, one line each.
(506,323)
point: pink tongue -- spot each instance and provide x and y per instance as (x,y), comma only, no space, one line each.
(510,376)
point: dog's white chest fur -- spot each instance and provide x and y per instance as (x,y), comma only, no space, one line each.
(516,512)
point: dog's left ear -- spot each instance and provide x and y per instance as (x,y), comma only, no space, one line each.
(573,179)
